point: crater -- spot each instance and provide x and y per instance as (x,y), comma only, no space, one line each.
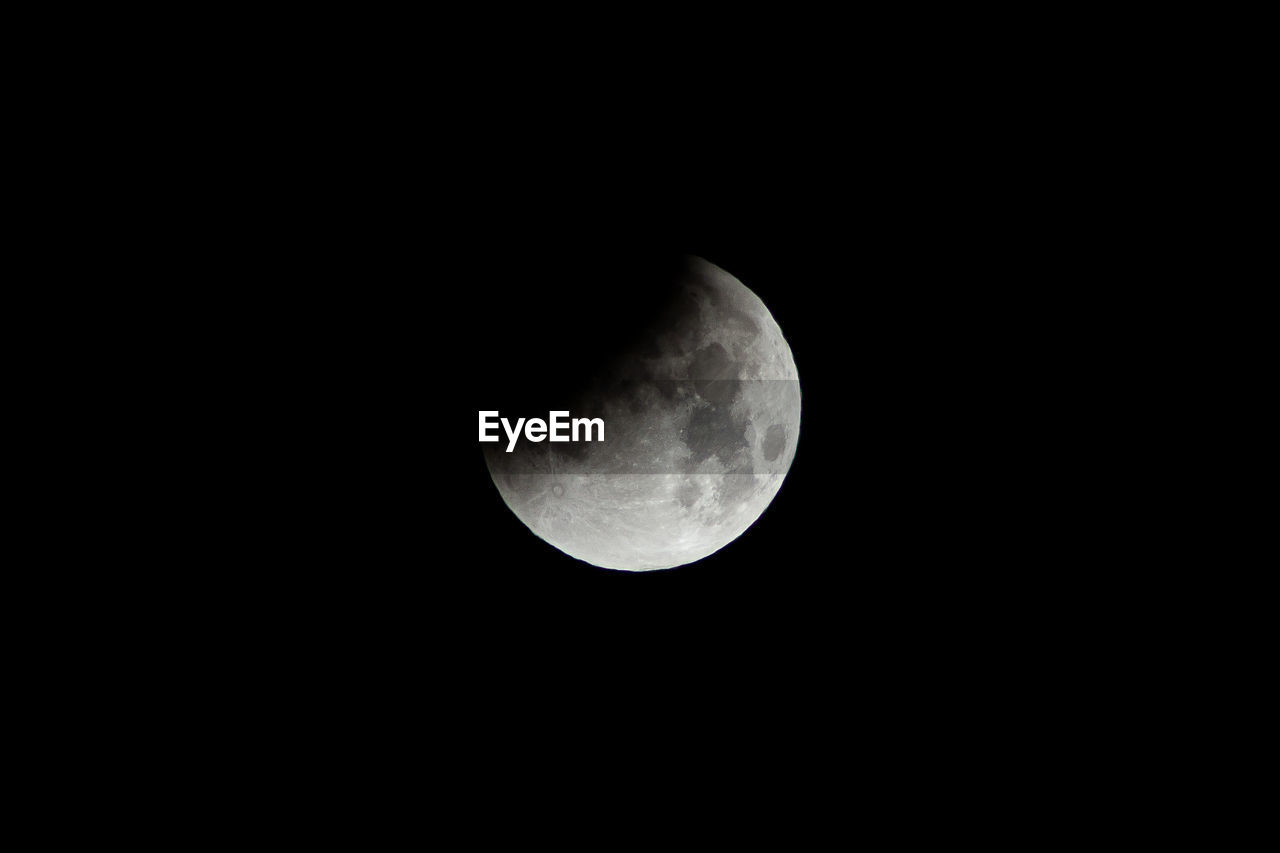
(774,440)
(557,490)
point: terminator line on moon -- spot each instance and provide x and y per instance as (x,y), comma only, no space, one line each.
(701,424)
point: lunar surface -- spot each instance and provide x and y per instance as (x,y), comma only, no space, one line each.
(701,419)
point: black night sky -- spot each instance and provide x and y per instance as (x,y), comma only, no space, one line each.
(496,281)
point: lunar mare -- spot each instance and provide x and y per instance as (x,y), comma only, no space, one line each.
(703,418)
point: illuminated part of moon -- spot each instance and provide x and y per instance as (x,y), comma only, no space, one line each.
(701,425)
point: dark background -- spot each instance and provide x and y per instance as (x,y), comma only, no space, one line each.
(379,250)
(433,277)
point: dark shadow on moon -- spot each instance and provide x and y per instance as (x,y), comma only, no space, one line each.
(713,431)
(774,441)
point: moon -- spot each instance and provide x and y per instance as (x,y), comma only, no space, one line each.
(702,418)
